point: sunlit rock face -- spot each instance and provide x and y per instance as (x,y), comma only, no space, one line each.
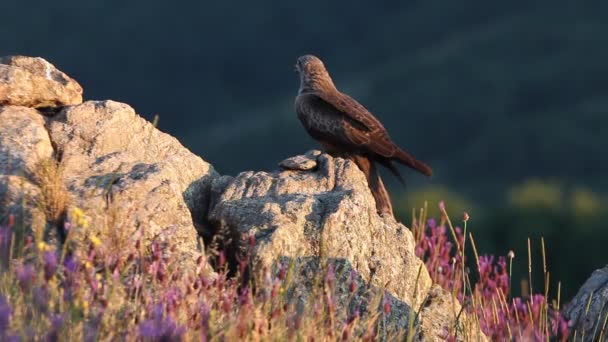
(34,82)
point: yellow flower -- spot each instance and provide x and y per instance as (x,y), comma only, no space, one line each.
(79,217)
(77,212)
(84,305)
(95,240)
(83,222)
(43,247)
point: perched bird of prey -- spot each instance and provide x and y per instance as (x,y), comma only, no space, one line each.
(346,129)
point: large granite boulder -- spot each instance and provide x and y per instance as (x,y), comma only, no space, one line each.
(326,212)
(117,166)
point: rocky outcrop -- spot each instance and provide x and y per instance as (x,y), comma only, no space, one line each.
(321,208)
(315,214)
(324,213)
(587,311)
(127,176)
(34,82)
(114,162)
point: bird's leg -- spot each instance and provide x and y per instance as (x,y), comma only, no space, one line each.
(375,184)
(383,200)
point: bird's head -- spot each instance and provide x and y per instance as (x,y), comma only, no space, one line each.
(310,64)
(313,75)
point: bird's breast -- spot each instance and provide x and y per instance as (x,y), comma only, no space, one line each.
(317,117)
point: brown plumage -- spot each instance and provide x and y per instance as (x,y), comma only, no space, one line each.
(345,128)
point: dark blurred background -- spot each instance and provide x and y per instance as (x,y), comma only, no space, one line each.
(507,101)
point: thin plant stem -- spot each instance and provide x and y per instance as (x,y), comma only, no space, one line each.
(447,217)
(510,274)
(474,250)
(559,293)
(603,327)
(464,242)
(530,267)
(586,313)
(410,324)
(597,323)
(518,322)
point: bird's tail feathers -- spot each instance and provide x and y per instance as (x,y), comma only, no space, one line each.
(393,169)
(407,160)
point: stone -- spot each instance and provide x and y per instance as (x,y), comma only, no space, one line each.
(587,311)
(34,82)
(304,162)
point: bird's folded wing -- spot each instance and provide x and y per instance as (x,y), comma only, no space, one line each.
(353,125)
(324,122)
(360,126)
(352,109)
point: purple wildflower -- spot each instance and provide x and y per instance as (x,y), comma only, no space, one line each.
(498,319)
(159,327)
(172,298)
(205,313)
(245,298)
(41,298)
(69,264)
(57,321)
(25,276)
(330,278)
(440,257)
(5,315)
(493,277)
(70,277)
(50,264)
(5,236)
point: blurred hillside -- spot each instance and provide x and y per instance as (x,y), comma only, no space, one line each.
(490,94)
